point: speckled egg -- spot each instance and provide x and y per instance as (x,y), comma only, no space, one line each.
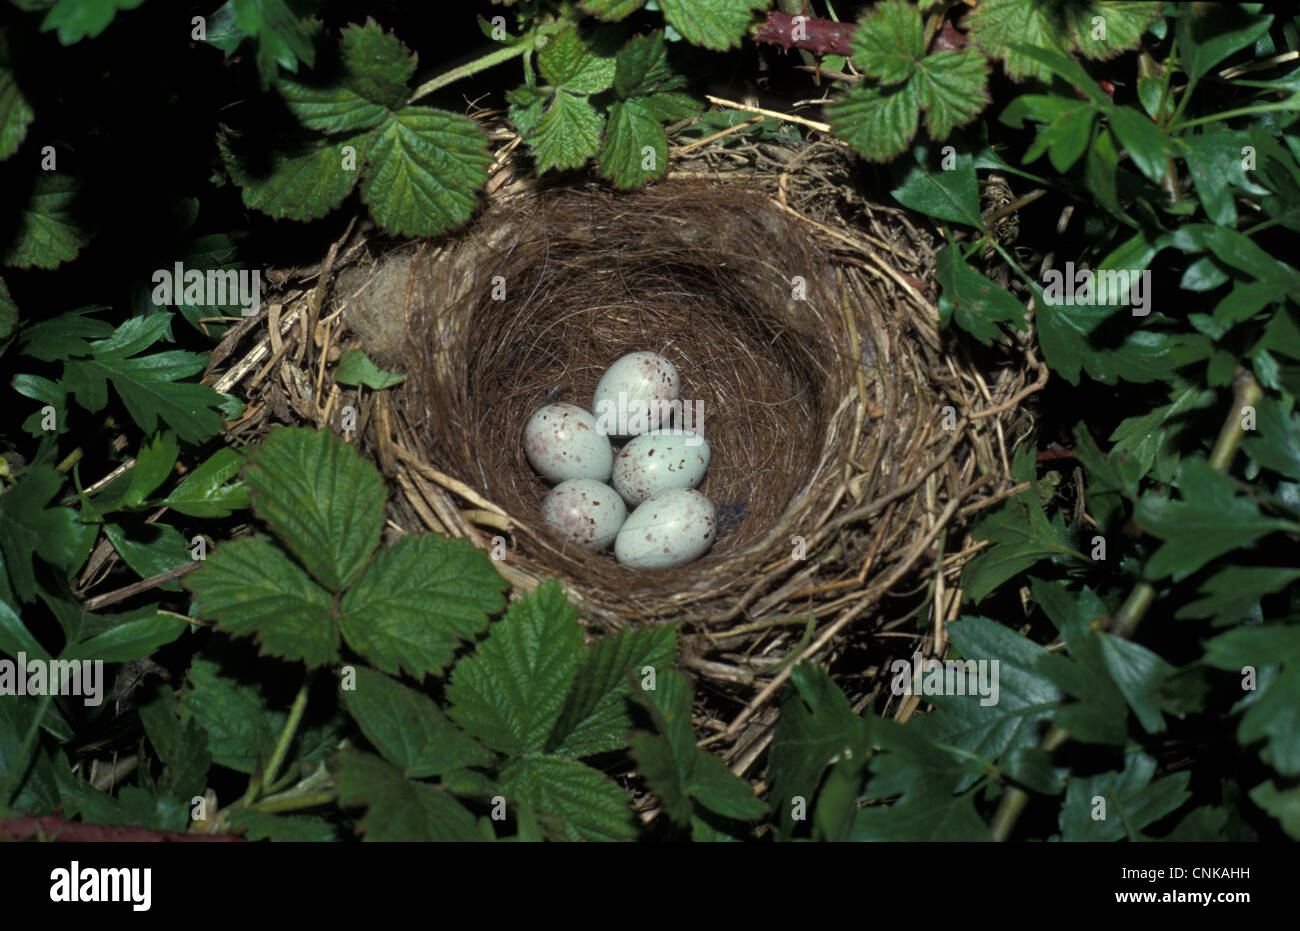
(668,530)
(659,461)
(628,398)
(562,443)
(585,511)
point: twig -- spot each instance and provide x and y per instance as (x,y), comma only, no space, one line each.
(135,588)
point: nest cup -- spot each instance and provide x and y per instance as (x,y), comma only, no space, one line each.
(550,290)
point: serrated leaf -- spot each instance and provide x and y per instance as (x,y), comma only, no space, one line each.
(632,130)
(567,133)
(1016,713)
(329,108)
(204,492)
(241,727)
(376,64)
(998,25)
(1233,592)
(302,178)
(79,19)
(1276,443)
(183,748)
(355,368)
(567,61)
(1132,801)
(669,704)
(589,806)
(294,829)
(641,68)
(876,124)
(1123,22)
(817,726)
(48,232)
(611,10)
(663,772)
(1140,675)
(417,601)
(1210,520)
(281,37)
(64,336)
(714,24)
(408,729)
(595,717)
(16,114)
(952,88)
(1282,804)
(32,529)
(510,692)
(888,41)
(976,303)
(398,809)
(1208,35)
(322,500)
(249,586)
(424,167)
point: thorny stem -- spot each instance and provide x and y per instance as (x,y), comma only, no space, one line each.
(1245,392)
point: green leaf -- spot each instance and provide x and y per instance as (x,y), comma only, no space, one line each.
(1132,801)
(281,37)
(1065,130)
(241,727)
(153,464)
(588,806)
(8,312)
(1001,27)
(1208,36)
(396,808)
(249,586)
(355,368)
(1125,21)
(1013,717)
(1209,521)
(1273,713)
(204,492)
(417,600)
(951,195)
(816,729)
(888,41)
(977,303)
(329,108)
(16,114)
(32,529)
(15,638)
(641,68)
(408,729)
(719,790)
(294,829)
(1215,163)
(48,232)
(595,718)
(182,748)
(424,167)
(1146,144)
(149,549)
(714,24)
(376,64)
(952,88)
(303,178)
(633,128)
(1282,804)
(664,773)
(1150,440)
(324,502)
(64,336)
(669,704)
(1277,444)
(1233,593)
(567,61)
(566,134)
(876,124)
(510,692)
(611,10)
(149,385)
(79,19)
(1141,676)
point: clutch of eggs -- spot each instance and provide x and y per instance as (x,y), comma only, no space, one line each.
(655,472)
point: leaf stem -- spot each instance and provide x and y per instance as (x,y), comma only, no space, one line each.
(286,734)
(295,802)
(1289,104)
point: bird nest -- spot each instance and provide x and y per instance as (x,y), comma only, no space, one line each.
(851,442)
